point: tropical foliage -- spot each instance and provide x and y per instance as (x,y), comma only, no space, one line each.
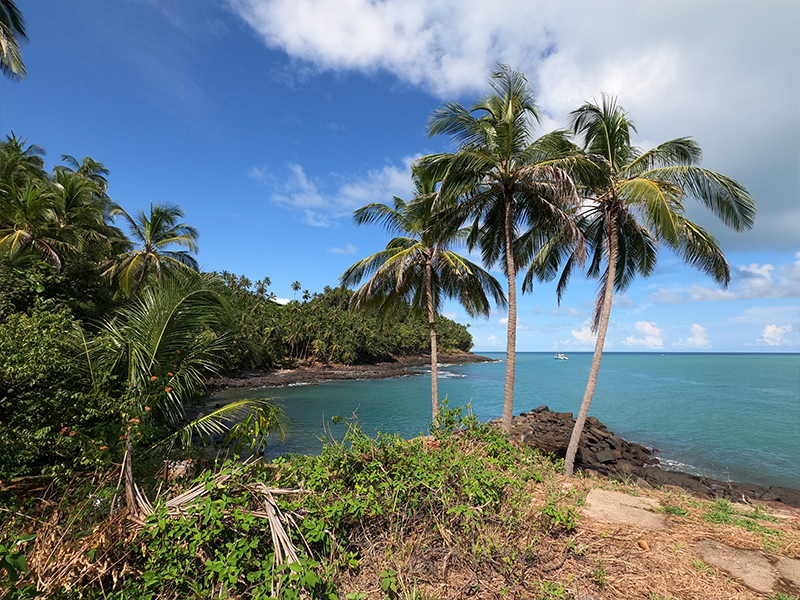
(419,267)
(12,35)
(515,190)
(154,236)
(639,206)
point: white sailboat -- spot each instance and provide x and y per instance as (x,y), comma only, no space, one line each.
(558,355)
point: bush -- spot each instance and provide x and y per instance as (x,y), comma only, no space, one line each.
(49,415)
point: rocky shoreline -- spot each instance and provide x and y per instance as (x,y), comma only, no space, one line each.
(399,366)
(602,454)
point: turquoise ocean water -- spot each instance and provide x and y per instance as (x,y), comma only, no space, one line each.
(733,417)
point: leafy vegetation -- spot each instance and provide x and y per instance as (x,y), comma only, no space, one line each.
(463,494)
(107,340)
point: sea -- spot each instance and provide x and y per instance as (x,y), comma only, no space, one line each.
(732,417)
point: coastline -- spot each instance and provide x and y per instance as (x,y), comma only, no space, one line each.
(617,467)
(398,366)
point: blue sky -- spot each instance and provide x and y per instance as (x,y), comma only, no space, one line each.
(270,122)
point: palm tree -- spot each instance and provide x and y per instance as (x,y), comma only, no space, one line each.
(153,235)
(49,217)
(164,345)
(418,266)
(12,30)
(89,169)
(296,288)
(650,186)
(20,162)
(516,190)
(29,224)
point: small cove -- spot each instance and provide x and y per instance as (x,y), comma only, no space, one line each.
(733,417)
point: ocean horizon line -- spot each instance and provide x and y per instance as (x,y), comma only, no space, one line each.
(654,352)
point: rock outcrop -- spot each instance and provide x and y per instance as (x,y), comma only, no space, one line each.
(601,453)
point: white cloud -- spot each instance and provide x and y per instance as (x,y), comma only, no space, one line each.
(450,315)
(322,209)
(521,326)
(675,79)
(584,335)
(623,300)
(277,300)
(348,249)
(492,340)
(666,297)
(697,339)
(653,337)
(699,293)
(754,281)
(567,311)
(773,335)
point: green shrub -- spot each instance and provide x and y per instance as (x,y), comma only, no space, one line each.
(49,415)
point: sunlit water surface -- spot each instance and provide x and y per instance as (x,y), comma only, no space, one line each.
(734,417)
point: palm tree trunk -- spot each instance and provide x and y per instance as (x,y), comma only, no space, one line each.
(605,315)
(434,350)
(511,345)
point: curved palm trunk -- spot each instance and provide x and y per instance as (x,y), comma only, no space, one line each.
(511,345)
(605,315)
(434,351)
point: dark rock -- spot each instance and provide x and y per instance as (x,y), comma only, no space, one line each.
(601,453)
(606,456)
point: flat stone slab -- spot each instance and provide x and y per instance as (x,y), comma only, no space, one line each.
(749,566)
(789,569)
(617,507)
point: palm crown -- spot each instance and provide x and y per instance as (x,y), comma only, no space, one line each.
(419,266)
(639,204)
(153,236)
(516,191)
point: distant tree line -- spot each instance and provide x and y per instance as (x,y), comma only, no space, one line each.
(106,336)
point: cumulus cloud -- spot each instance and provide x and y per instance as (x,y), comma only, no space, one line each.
(675,80)
(521,326)
(755,281)
(697,339)
(348,249)
(666,297)
(652,336)
(322,209)
(584,335)
(774,335)
(492,340)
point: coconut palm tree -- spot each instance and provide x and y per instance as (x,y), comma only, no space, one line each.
(152,239)
(12,31)
(640,205)
(29,224)
(164,345)
(515,189)
(419,267)
(20,162)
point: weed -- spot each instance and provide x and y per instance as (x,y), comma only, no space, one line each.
(673,510)
(701,566)
(600,573)
(723,513)
(389,583)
